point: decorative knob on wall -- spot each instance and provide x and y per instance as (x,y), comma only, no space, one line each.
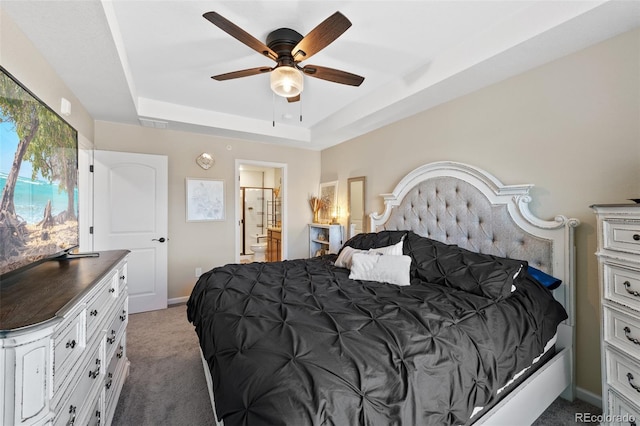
(205,160)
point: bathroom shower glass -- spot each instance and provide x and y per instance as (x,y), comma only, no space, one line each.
(254,215)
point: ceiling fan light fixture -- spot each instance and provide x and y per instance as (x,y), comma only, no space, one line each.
(286,81)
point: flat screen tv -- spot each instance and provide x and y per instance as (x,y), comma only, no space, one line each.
(38,177)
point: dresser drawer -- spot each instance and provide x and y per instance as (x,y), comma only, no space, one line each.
(622,412)
(95,414)
(68,345)
(123,274)
(623,374)
(623,331)
(117,327)
(75,407)
(115,371)
(622,235)
(100,306)
(622,285)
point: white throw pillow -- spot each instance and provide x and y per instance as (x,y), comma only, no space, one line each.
(395,250)
(344,258)
(393,269)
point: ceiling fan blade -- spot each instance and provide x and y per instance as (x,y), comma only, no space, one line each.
(241,73)
(333,75)
(235,31)
(321,36)
(295,98)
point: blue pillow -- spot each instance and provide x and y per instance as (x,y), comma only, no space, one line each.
(543,278)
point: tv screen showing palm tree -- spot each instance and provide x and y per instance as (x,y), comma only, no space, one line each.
(38,177)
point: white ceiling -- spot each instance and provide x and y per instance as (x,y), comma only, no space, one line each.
(152,59)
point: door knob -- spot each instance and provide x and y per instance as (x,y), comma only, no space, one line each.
(161,239)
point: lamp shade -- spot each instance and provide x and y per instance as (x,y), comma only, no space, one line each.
(286,81)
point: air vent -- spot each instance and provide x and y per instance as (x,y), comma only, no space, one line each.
(155,124)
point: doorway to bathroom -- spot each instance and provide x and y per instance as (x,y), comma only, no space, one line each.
(259,212)
(260,207)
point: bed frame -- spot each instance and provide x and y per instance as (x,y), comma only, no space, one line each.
(459,204)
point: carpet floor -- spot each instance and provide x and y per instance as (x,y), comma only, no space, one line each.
(166,384)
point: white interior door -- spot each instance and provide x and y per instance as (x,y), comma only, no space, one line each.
(130,212)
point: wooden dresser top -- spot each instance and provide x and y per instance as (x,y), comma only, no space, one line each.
(42,293)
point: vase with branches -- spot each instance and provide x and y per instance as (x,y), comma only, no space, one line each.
(317,204)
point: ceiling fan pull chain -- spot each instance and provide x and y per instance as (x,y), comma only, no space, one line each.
(273,109)
(300,106)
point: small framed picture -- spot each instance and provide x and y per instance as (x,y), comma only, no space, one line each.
(205,200)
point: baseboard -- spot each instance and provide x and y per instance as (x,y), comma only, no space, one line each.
(590,397)
(178,300)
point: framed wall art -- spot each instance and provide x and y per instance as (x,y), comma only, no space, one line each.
(329,192)
(205,200)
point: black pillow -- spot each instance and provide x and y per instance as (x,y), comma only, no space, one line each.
(452,266)
(375,239)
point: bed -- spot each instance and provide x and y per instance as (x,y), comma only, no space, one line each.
(438,317)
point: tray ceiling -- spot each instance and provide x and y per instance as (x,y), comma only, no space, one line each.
(149,62)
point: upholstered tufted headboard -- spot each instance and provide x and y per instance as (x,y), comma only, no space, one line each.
(459,204)
(453,211)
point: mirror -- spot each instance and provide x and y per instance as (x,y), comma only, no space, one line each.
(355,199)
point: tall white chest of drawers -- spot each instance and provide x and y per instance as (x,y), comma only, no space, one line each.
(63,354)
(619,268)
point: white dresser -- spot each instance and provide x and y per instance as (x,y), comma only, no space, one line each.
(619,268)
(63,354)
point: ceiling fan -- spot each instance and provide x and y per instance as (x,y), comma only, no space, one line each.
(288,48)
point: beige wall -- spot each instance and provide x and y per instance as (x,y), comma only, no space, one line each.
(571,127)
(210,244)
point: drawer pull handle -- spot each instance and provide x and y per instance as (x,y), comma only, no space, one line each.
(121,352)
(630,380)
(108,385)
(123,316)
(634,293)
(122,277)
(72,419)
(627,331)
(93,374)
(112,290)
(111,340)
(71,344)
(636,237)
(94,313)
